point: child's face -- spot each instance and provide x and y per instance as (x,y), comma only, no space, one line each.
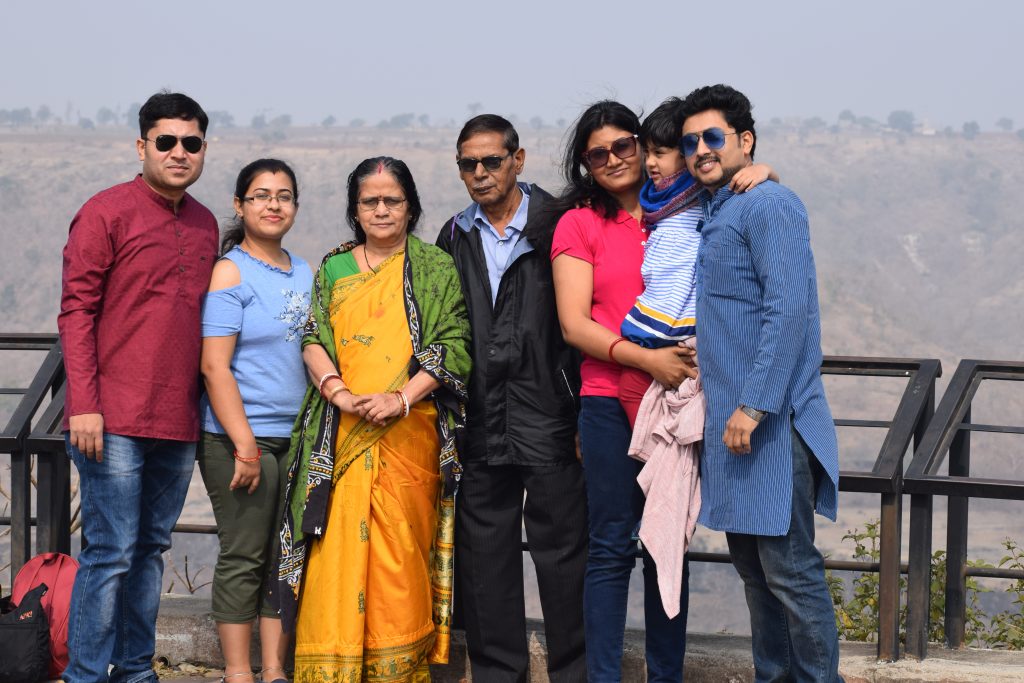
(662,162)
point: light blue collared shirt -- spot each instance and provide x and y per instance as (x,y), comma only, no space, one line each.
(500,252)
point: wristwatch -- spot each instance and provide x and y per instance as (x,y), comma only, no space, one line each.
(753,413)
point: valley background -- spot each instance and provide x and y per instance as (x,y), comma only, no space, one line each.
(915,234)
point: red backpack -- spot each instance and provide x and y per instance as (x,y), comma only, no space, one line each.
(57,571)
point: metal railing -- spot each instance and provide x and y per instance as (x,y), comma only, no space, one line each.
(950,432)
(912,423)
(48,379)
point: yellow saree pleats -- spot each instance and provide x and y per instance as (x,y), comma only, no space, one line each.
(377,588)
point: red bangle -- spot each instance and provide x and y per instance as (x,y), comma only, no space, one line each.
(612,346)
(259,454)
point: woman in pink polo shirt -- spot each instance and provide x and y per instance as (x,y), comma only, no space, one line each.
(596,252)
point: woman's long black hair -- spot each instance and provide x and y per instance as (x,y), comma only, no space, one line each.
(234,231)
(401,174)
(580,189)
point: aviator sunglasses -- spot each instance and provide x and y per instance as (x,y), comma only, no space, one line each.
(165,143)
(714,138)
(491,163)
(598,157)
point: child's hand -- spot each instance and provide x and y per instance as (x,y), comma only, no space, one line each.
(751,176)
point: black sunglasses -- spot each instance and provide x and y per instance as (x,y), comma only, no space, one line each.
(598,157)
(714,138)
(491,163)
(165,143)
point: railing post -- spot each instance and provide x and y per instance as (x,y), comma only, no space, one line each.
(956,539)
(919,559)
(919,576)
(889,577)
(21,508)
(53,503)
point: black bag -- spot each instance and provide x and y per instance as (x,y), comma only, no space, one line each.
(25,640)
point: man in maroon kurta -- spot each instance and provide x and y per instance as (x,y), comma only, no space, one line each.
(136,266)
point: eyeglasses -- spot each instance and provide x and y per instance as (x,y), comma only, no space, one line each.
(283,198)
(165,143)
(598,157)
(714,138)
(491,163)
(370,203)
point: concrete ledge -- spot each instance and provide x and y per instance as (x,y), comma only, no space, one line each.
(186,633)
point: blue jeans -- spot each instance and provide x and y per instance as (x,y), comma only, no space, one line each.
(130,503)
(615,504)
(792,622)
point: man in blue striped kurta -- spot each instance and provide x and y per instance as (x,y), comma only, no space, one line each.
(770,454)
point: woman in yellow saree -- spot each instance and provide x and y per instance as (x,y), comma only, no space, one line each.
(366,557)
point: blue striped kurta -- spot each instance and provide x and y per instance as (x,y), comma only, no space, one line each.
(759,340)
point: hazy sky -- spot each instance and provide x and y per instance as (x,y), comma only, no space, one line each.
(948,62)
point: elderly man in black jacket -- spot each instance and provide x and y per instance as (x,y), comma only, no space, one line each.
(521,421)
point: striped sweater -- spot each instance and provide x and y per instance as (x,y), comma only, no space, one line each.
(666,312)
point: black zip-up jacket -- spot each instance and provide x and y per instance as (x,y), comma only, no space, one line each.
(524,386)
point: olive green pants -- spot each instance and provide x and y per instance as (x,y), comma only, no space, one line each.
(247,526)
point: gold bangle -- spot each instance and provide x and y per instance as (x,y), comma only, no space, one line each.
(335,390)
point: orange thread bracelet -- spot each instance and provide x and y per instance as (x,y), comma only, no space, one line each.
(259,454)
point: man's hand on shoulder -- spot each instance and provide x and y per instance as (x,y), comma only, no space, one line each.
(87,434)
(738,430)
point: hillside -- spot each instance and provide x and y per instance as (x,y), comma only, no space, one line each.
(914,237)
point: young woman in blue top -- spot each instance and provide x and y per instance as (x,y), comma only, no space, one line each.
(257,304)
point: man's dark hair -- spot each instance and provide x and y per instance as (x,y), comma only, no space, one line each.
(489,123)
(170,105)
(733,104)
(664,125)
(402,175)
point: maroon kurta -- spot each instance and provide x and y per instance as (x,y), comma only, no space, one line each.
(135,273)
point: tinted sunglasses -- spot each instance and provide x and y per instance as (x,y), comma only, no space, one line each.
(714,138)
(165,143)
(491,163)
(598,157)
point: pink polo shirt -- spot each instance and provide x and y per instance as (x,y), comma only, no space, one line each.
(615,247)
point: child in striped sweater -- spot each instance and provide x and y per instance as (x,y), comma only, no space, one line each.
(665,313)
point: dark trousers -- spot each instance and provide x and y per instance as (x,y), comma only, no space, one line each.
(615,505)
(490,514)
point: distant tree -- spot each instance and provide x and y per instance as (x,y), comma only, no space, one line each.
(536,123)
(43,114)
(1005,123)
(282,121)
(814,123)
(86,124)
(221,119)
(258,122)
(400,121)
(131,114)
(329,121)
(867,122)
(560,123)
(971,129)
(847,116)
(1020,133)
(106,116)
(474,108)
(902,121)
(357,123)
(5,117)
(424,120)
